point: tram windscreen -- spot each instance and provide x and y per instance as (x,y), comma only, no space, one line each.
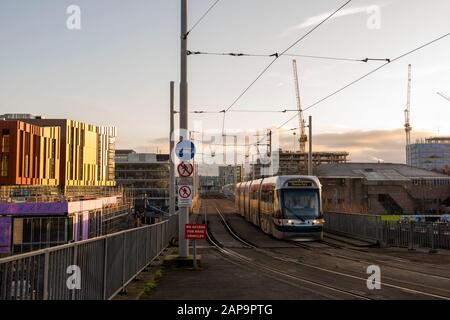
(300,203)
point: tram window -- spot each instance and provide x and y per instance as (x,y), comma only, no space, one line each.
(300,203)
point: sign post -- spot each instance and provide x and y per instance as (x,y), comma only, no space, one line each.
(195,231)
(185,151)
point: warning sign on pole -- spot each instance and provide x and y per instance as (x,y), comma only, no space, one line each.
(185,169)
(184,196)
(193,231)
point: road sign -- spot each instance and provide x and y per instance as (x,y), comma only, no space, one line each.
(184,196)
(185,169)
(195,231)
(185,150)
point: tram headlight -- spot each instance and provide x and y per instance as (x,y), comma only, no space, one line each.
(318,221)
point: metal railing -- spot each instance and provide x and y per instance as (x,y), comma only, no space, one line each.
(361,225)
(11,194)
(106,264)
(432,235)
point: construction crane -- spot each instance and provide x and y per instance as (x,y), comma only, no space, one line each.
(303,138)
(443,95)
(407,116)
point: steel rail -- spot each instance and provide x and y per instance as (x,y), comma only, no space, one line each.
(342,273)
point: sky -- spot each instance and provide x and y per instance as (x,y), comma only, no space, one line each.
(116,69)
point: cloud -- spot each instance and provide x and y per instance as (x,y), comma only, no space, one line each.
(315,20)
(363,146)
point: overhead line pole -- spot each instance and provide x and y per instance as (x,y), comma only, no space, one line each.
(310,158)
(183,244)
(172,145)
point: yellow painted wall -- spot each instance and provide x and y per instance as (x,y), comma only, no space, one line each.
(50,155)
(85,151)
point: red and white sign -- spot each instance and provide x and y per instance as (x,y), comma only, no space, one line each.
(185,169)
(184,196)
(195,231)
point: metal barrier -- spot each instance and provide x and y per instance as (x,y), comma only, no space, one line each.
(107,264)
(361,225)
(417,234)
(432,235)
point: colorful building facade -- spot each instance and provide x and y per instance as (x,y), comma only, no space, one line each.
(87,152)
(29,154)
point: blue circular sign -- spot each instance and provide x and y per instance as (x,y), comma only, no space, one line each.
(185,150)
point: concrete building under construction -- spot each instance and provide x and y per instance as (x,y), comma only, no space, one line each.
(291,163)
(431,154)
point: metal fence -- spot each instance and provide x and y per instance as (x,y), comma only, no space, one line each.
(412,235)
(432,235)
(360,225)
(106,264)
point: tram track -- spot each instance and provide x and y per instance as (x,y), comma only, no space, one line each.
(334,272)
(275,273)
(370,258)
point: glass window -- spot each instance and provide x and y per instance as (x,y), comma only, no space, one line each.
(4,166)
(300,203)
(54,230)
(45,227)
(36,230)
(62,236)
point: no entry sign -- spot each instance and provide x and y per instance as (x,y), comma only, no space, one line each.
(185,169)
(194,231)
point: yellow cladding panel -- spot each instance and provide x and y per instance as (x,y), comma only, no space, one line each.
(85,151)
(49,149)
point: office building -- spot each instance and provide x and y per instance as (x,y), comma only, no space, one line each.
(29,154)
(87,151)
(147,174)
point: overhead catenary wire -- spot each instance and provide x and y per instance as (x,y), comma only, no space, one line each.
(278,56)
(368,74)
(237,54)
(201,18)
(243,111)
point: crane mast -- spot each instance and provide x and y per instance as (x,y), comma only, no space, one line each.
(443,96)
(303,138)
(407,116)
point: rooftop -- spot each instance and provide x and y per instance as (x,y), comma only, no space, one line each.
(376,171)
(141,158)
(434,140)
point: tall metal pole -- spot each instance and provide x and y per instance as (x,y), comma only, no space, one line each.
(183,244)
(171,146)
(310,164)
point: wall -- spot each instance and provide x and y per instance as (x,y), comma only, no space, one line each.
(29,155)
(87,152)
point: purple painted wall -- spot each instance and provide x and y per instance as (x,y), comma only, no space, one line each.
(5,234)
(34,209)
